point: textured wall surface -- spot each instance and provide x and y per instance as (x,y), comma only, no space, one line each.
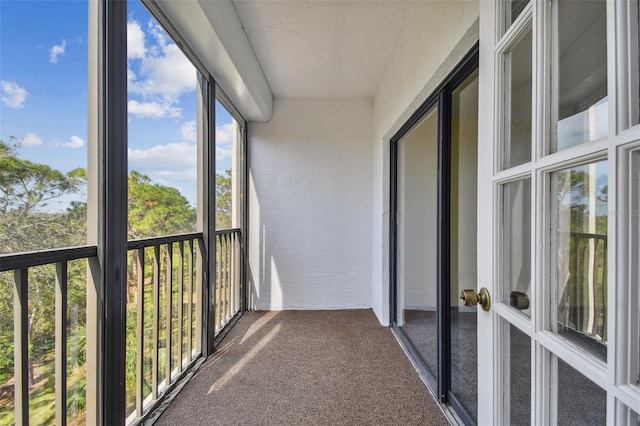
(310,206)
(319,184)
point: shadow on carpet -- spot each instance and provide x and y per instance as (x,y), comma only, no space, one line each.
(306,368)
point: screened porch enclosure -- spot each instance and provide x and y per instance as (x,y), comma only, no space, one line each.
(296,218)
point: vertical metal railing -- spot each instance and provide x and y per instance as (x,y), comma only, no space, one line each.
(139,264)
(21,346)
(228,284)
(190,292)
(61,281)
(164,319)
(163,315)
(155,333)
(55,274)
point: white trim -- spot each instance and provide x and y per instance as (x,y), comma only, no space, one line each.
(514,317)
(628,295)
(516,33)
(621,150)
(501,379)
(489,385)
(513,174)
(516,29)
(628,72)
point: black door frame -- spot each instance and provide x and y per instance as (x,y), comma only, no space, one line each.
(441,97)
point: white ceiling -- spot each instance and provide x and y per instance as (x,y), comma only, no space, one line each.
(260,49)
(321,49)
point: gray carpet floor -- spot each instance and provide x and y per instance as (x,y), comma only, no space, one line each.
(306,368)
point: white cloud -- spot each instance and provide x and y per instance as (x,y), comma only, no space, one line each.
(75,142)
(224,141)
(57,51)
(168,74)
(169,157)
(153,109)
(158,71)
(158,33)
(173,164)
(135,41)
(189,131)
(31,139)
(13,95)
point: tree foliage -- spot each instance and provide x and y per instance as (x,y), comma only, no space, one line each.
(25,186)
(26,189)
(223,200)
(156,210)
(28,224)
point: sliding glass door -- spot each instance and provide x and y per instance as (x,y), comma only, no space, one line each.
(417,219)
(434,238)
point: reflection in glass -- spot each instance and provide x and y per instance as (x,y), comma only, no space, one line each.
(519,377)
(464,150)
(417,238)
(516,244)
(513,9)
(632,418)
(582,72)
(579,250)
(517,148)
(580,401)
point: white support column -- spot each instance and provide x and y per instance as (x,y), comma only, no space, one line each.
(94,280)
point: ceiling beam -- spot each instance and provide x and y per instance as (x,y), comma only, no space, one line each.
(214,33)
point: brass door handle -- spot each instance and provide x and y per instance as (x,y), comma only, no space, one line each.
(519,300)
(471,298)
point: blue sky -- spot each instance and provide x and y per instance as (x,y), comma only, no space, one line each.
(43,93)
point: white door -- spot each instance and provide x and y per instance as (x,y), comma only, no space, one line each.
(558,203)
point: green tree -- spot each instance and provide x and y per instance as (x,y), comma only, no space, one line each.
(25,185)
(25,189)
(26,224)
(223,200)
(156,210)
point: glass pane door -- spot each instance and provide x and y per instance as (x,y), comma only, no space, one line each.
(463,204)
(417,240)
(557,190)
(579,253)
(434,246)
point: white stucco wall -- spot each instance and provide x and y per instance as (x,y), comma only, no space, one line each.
(319,180)
(436,35)
(310,205)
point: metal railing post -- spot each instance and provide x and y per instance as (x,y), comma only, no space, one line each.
(21,345)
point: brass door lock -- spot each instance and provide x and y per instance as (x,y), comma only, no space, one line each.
(471,298)
(519,300)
